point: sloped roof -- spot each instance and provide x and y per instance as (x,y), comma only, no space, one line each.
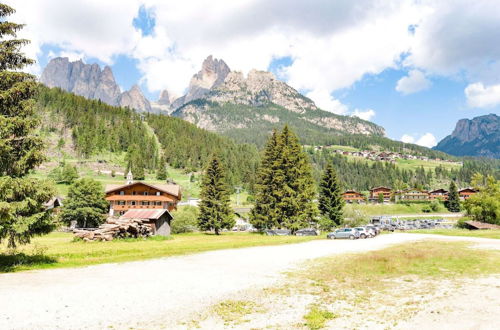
(172,189)
(152,214)
(381,187)
(482,225)
(439,190)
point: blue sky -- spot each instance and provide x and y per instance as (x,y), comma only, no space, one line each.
(413,67)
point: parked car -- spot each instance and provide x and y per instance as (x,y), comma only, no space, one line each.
(306,232)
(278,232)
(350,233)
(364,233)
(373,230)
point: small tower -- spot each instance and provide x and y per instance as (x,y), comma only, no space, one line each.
(130,177)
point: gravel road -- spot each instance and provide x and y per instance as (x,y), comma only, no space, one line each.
(158,292)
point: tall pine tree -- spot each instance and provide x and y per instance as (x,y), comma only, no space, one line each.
(285,186)
(22,211)
(331,203)
(215,210)
(270,177)
(453,202)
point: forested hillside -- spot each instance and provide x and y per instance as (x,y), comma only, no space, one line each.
(363,174)
(99,128)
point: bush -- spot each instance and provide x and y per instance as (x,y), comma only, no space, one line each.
(185,220)
(427,209)
(461,223)
(435,206)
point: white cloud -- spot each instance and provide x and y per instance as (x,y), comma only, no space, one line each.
(414,82)
(407,138)
(427,140)
(479,96)
(325,101)
(367,114)
(459,36)
(99,29)
(332,44)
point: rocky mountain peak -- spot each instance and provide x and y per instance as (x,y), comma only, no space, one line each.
(164,98)
(479,136)
(88,80)
(212,74)
(134,99)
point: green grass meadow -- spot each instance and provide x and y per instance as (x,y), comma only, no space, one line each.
(60,250)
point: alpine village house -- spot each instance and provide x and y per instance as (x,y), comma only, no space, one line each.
(352,196)
(151,203)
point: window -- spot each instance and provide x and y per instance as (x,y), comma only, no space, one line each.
(146,193)
(145,203)
(122,193)
(132,203)
(134,192)
(158,203)
(121,202)
(158,193)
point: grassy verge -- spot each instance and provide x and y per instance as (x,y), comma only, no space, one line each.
(387,286)
(59,250)
(460,232)
(390,209)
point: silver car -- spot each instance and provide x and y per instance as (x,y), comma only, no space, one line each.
(364,232)
(350,233)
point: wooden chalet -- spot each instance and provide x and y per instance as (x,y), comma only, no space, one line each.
(414,195)
(375,192)
(439,194)
(141,195)
(466,193)
(351,196)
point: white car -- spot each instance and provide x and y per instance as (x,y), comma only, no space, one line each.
(364,233)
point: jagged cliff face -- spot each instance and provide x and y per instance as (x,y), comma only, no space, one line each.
(90,81)
(256,102)
(479,136)
(134,99)
(258,89)
(212,74)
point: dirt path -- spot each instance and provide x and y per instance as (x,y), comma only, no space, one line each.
(160,292)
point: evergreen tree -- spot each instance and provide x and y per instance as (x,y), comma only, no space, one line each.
(380,198)
(215,211)
(453,202)
(285,186)
(22,213)
(162,173)
(265,214)
(85,204)
(331,202)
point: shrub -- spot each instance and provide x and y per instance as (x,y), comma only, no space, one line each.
(185,220)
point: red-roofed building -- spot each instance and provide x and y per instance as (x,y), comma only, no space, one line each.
(466,193)
(351,196)
(159,219)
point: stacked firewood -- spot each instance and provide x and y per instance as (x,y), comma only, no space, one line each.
(116,228)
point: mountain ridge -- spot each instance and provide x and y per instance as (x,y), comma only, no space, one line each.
(479,136)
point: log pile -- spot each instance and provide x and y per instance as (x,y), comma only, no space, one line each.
(116,228)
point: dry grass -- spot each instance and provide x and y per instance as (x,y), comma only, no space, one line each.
(491,233)
(234,311)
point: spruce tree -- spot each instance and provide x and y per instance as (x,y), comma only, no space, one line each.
(296,207)
(215,210)
(331,201)
(453,202)
(284,189)
(162,173)
(22,213)
(270,177)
